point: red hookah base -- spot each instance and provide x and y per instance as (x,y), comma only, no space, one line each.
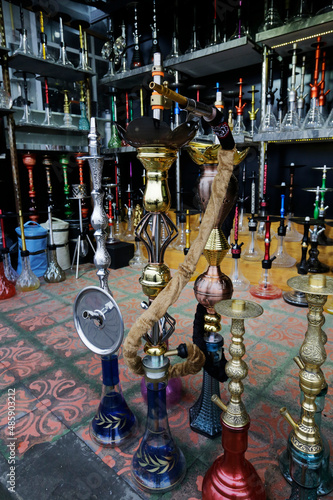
(231,476)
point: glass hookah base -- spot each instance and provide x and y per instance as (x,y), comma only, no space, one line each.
(266,292)
(158,468)
(114,422)
(174,391)
(284,260)
(253,255)
(295,298)
(240,285)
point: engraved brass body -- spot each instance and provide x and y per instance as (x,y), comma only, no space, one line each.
(235,414)
(305,436)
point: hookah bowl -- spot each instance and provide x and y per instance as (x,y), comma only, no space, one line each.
(232,475)
(99,322)
(308,461)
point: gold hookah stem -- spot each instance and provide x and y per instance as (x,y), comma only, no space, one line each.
(253,112)
(24,246)
(236,369)
(306,436)
(187,229)
(41,20)
(141,101)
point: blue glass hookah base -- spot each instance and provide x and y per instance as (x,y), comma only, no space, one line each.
(158,464)
(114,421)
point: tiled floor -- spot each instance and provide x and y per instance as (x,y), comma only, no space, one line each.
(58,383)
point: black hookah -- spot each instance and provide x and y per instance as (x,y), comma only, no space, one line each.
(295,297)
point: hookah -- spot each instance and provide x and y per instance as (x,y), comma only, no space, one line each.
(157,442)
(314,119)
(197,87)
(242,228)
(281,256)
(305,445)
(263,205)
(313,263)
(194,43)
(209,288)
(320,207)
(67,208)
(63,60)
(43,52)
(129,233)
(296,298)
(187,233)
(127,120)
(29,161)
(215,38)
(291,233)
(7,287)
(180,242)
(67,117)
(239,282)
(268,121)
(81,246)
(291,120)
(137,57)
(115,141)
(266,288)
(80,25)
(9,272)
(253,113)
(80,159)
(252,251)
(175,52)
(232,475)
(54,273)
(26,118)
(27,281)
(48,119)
(301,95)
(24,45)
(138,261)
(111,239)
(155,43)
(240,30)
(121,50)
(108,51)
(47,162)
(239,127)
(272,18)
(322,93)
(83,120)
(118,230)
(99,322)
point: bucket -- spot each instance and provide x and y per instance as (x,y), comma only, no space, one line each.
(60,230)
(36,242)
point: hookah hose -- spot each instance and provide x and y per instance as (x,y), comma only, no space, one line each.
(172,291)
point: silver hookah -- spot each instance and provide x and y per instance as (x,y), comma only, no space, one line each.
(99,219)
(301,95)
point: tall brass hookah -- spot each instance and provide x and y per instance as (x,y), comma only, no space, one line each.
(158,465)
(309,468)
(158,146)
(211,287)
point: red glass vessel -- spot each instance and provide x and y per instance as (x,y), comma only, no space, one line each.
(231,476)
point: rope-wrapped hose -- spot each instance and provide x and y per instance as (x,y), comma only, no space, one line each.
(169,295)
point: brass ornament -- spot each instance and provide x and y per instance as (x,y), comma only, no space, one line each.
(235,414)
(312,355)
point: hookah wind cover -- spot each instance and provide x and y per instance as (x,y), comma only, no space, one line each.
(215,371)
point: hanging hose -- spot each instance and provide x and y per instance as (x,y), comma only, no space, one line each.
(169,295)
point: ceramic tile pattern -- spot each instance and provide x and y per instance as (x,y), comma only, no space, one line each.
(58,381)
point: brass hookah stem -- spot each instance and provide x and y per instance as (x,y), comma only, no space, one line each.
(42,33)
(253,112)
(236,369)
(10,121)
(306,436)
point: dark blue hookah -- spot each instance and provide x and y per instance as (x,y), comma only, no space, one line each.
(99,322)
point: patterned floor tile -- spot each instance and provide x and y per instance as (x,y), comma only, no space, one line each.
(70,400)
(63,339)
(21,360)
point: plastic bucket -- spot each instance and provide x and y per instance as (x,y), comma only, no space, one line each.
(60,230)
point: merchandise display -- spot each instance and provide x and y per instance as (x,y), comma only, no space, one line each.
(143,143)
